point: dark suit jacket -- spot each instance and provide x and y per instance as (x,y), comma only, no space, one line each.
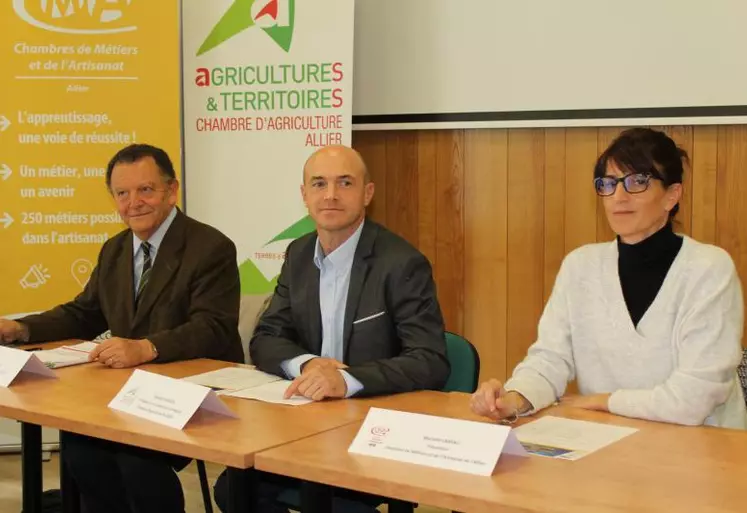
(190,307)
(400,351)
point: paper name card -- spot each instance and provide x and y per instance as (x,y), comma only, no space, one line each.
(164,400)
(14,361)
(451,444)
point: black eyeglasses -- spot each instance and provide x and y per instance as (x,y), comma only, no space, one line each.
(634,183)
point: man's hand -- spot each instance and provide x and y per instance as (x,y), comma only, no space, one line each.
(491,400)
(321,382)
(11,331)
(323,363)
(596,402)
(119,353)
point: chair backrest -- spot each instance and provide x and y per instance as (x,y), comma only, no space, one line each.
(742,371)
(251,309)
(465,364)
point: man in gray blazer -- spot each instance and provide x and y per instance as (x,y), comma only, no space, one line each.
(355,311)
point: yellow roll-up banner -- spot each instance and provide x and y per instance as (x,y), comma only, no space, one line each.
(80,80)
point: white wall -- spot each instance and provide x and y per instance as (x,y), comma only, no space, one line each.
(467,56)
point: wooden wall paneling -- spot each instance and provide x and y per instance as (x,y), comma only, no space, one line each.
(580,198)
(372,147)
(402,184)
(554,206)
(485,247)
(731,223)
(526,160)
(426,206)
(496,211)
(731,207)
(704,183)
(732,159)
(450,226)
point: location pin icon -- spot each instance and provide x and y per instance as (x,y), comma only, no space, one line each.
(81,271)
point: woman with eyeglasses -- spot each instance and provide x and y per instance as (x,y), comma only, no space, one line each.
(649,325)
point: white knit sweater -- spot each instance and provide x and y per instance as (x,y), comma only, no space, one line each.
(678,365)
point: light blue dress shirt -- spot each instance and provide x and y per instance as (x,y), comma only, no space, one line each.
(138,259)
(334,282)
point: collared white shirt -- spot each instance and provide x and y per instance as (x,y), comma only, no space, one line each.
(334,284)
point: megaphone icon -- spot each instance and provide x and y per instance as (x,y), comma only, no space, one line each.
(35,277)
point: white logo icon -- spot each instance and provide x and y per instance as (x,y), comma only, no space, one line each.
(81,271)
(35,277)
(51,12)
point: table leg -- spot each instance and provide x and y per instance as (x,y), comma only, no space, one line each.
(315,497)
(242,490)
(68,487)
(31,467)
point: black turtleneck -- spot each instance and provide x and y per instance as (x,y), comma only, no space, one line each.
(643,267)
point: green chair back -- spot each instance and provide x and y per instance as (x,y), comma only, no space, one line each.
(465,364)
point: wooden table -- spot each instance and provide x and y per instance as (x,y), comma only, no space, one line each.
(660,468)
(78,402)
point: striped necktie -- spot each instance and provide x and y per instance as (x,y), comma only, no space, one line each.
(147,264)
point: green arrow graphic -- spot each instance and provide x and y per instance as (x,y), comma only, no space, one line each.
(252,279)
(238,18)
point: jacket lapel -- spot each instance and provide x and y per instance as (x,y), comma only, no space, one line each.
(358,274)
(165,266)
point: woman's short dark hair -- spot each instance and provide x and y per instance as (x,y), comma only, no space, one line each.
(136,152)
(643,150)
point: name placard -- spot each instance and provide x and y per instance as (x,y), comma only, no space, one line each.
(164,400)
(452,444)
(14,361)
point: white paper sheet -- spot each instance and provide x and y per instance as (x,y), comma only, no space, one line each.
(84,346)
(568,439)
(232,378)
(66,355)
(271,393)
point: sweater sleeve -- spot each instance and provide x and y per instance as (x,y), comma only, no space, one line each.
(708,351)
(543,375)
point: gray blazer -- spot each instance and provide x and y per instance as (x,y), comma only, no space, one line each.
(401,350)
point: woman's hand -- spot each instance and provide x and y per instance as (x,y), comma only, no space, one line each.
(493,401)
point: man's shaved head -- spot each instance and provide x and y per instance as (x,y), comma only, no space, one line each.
(350,158)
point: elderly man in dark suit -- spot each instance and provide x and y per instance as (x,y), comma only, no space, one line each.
(168,289)
(355,311)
